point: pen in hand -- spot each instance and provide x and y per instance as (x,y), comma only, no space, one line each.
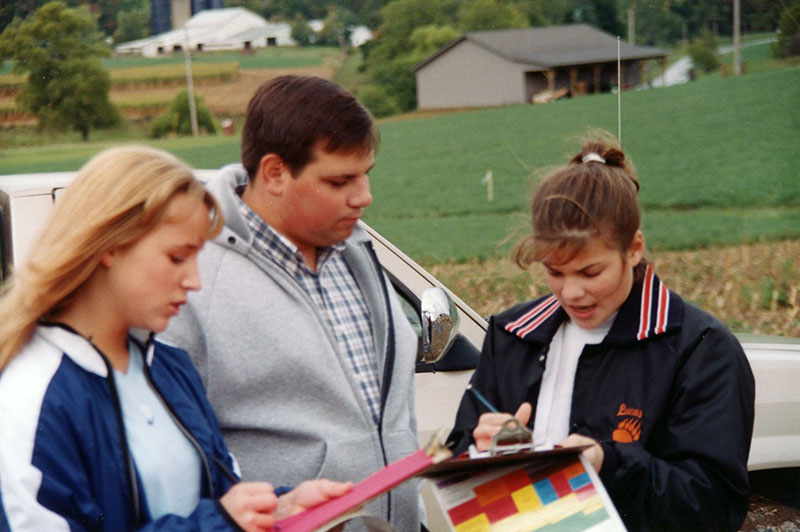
(479,396)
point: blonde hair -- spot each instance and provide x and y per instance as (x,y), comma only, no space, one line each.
(594,195)
(117,197)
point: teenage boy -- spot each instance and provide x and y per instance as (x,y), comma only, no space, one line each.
(305,351)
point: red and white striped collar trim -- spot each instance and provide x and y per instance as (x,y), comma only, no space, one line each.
(534,317)
(649,316)
(654,308)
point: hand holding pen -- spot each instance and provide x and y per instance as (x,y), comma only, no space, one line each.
(490,423)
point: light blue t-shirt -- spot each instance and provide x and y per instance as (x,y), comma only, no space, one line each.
(166,460)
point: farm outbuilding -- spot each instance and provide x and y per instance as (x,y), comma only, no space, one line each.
(502,67)
(232,28)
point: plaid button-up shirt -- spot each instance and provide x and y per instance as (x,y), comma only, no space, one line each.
(334,291)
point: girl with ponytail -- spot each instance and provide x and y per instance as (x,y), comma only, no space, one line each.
(659,391)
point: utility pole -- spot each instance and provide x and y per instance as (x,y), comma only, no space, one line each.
(737,55)
(190,83)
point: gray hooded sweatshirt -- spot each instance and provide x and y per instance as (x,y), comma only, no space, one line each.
(288,403)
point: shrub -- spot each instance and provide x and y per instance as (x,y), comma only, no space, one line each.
(378,101)
(176,119)
(704,55)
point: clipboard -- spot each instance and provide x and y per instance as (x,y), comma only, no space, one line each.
(464,463)
(524,490)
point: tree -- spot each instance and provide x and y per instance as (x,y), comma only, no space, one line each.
(378,101)
(387,58)
(539,12)
(657,24)
(789,31)
(336,28)
(301,31)
(599,13)
(425,40)
(59,48)
(760,15)
(132,25)
(477,15)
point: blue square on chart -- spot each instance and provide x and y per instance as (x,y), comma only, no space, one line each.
(579,481)
(544,489)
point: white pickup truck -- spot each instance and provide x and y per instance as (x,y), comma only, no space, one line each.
(774,462)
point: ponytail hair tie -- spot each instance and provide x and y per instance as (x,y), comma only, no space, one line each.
(592,156)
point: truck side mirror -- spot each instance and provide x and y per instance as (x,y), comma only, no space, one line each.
(439,317)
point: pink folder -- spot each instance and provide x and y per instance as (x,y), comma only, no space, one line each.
(369,488)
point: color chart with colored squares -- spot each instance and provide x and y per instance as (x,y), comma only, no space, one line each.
(554,495)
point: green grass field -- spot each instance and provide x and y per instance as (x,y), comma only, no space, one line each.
(704,152)
(716,159)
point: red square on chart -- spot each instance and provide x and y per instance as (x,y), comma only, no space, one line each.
(560,484)
(464,512)
(491,491)
(500,509)
(517,480)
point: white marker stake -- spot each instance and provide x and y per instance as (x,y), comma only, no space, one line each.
(488,180)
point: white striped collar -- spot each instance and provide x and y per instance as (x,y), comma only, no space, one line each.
(650,310)
(75,346)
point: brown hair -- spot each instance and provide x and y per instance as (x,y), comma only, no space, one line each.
(290,115)
(594,195)
(117,197)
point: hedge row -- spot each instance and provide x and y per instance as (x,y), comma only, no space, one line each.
(144,77)
(173,74)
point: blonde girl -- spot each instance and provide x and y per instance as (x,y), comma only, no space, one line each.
(102,427)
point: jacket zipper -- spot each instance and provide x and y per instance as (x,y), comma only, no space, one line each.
(178,422)
(388,366)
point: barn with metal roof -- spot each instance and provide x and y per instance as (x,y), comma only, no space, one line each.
(502,67)
(233,28)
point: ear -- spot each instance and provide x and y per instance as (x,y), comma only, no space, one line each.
(107,260)
(272,173)
(636,250)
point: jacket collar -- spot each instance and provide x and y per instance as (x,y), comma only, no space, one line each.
(83,352)
(223,186)
(650,310)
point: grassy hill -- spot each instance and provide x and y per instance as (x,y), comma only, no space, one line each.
(716,159)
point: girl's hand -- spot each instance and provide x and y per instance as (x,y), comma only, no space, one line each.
(309,494)
(490,424)
(594,453)
(252,505)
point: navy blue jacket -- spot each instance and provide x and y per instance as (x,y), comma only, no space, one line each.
(64,459)
(669,395)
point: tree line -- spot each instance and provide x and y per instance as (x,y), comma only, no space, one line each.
(656,22)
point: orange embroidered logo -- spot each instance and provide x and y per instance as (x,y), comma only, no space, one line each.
(630,428)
